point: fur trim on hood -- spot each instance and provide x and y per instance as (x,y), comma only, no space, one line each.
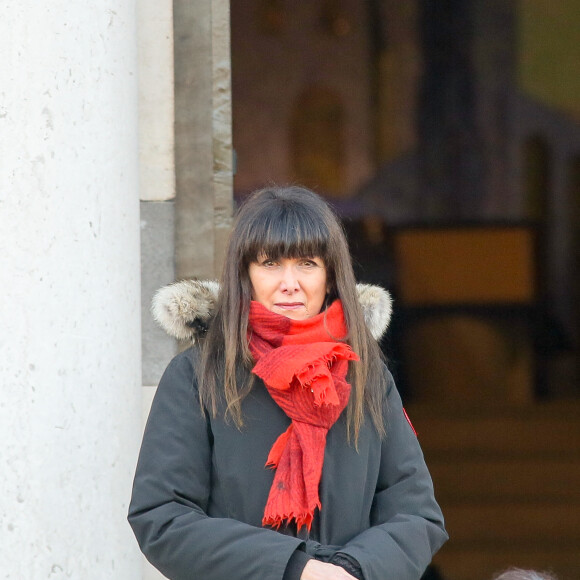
(185,309)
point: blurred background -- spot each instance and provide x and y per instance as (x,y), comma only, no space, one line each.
(446,134)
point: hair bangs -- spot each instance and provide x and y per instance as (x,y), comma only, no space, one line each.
(285,231)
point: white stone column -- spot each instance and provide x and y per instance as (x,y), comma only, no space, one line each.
(70,369)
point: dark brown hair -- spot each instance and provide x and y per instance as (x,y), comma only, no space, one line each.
(288,222)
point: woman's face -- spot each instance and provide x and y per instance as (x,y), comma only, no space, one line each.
(292,287)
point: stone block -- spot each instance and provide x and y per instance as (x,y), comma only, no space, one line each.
(157,269)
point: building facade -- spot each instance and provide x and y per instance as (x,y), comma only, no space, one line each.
(97,108)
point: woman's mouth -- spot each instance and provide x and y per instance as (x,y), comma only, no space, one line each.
(289,305)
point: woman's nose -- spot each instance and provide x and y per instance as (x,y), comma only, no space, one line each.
(289,281)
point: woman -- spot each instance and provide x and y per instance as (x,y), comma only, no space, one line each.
(278,448)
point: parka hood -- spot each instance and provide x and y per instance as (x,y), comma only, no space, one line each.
(185,309)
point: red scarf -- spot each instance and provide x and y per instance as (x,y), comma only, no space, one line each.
(304,369)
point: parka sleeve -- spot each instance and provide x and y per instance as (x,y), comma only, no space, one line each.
(171,491)
(407,525)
